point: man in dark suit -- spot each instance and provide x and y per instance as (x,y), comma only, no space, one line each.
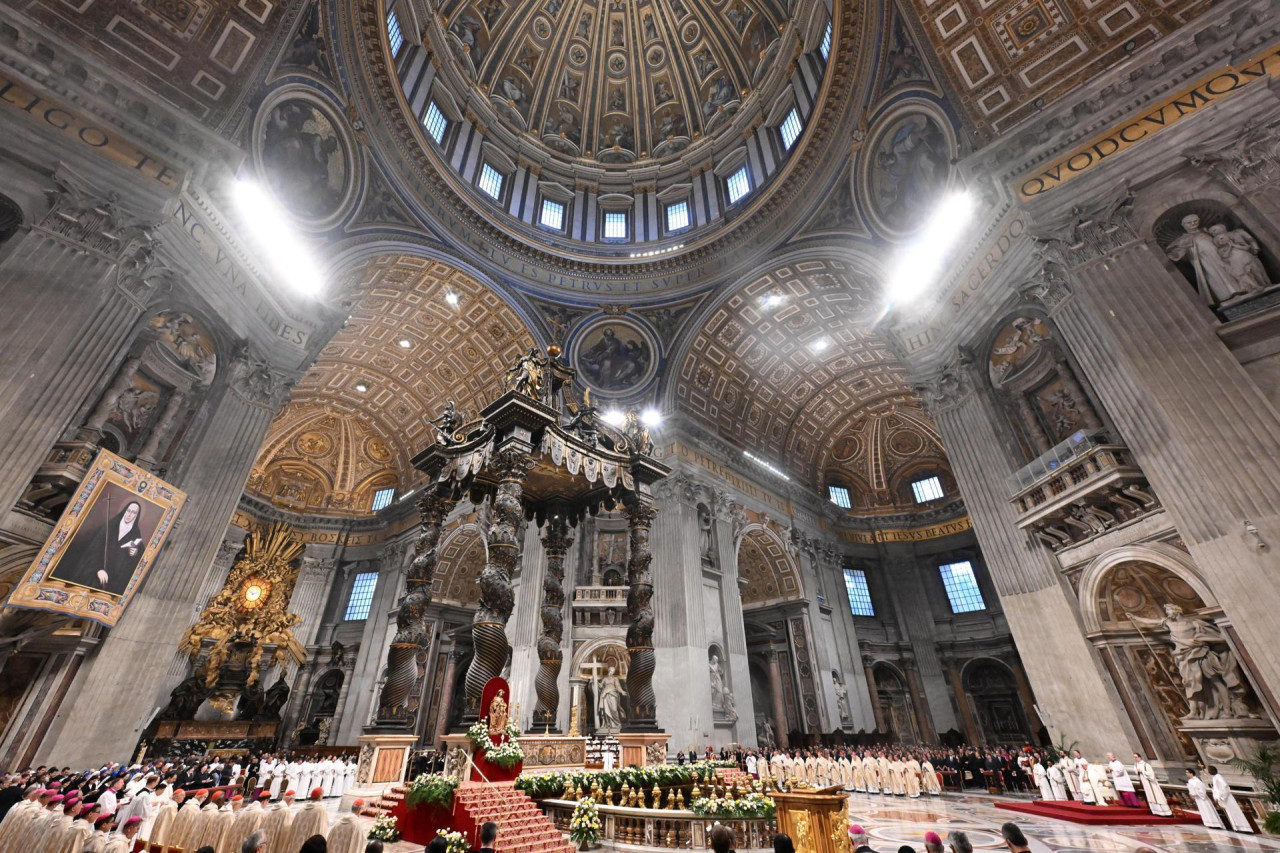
(488,836)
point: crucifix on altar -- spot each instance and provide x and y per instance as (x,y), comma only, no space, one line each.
(534,453)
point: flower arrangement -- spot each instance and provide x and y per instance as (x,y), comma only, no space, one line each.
(384,829)
(432,790)
(508,755)
(584,826)
(752,805)
(456,840)
(665,775)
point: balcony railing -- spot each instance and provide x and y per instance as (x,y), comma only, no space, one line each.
(672,829)
(611,596)
(1079,489)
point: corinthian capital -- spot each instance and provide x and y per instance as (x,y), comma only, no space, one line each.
(253,378)
(949,388)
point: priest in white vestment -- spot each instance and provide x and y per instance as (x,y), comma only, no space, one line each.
(1227,802)
(1042,780)
(347,834)
(929,773)
(1072,775)
(1099,780)
(1082,775)
(1204,803)
(166,814)
(1057,781)
(1122,781)
(293,779)
(1156,800)
(349,775)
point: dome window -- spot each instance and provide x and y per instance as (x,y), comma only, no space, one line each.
(791,128)
(738,185)
(490,182)
(826,42)
(615,225)
(435,123)
(928,489)
(677,216)
(551,215)
(395,36)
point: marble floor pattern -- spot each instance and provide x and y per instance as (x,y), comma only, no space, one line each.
(893,822)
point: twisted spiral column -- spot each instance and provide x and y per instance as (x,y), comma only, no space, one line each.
(489,625)
(642,711)
(555,541)
(406,659)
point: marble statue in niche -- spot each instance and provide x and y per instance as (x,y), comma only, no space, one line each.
(705,536)
(609,696)
(303,159)
(1212,681)
(723,705)
(1225,261)
(842,698)
(764,732)
(909,169)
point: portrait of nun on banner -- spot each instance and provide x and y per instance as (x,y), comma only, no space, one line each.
(103,546)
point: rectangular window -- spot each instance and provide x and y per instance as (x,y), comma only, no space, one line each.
(435,123)
(855,584)
(383,498)
(826,42)
(791,128)
(928,489)
(361,598)
(738,185)
(678,216)
(491,182)
(615,226)
(962,587)
(394,35)
(552,215)
(840,496)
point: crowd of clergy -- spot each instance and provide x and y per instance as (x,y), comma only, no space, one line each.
(1056,776)
(47,810)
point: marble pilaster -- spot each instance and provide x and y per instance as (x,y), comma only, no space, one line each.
(122,674)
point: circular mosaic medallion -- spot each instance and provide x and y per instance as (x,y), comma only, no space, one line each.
(378,450)
(314,444)
(615,356)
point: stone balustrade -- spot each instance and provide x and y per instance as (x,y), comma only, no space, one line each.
(1083,493)
(666,828)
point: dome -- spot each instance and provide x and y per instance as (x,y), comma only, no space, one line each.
(613,129)
(616,81)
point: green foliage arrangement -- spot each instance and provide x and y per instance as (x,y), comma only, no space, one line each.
(554,784)
(432,790)
(1262,766)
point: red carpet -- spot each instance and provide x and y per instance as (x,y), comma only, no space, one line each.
(1077,812)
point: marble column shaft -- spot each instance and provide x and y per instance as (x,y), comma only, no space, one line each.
(64,342)
(1041,610)
(868,669)
(642,704)
(915,616)
(373,642)
(971,732)
(1204,434)
(776,687)
(555,542)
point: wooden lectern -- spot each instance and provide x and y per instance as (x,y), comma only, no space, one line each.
(817,820)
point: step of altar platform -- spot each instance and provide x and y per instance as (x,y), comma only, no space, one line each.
(522,826)
(384,804)
(733,776)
